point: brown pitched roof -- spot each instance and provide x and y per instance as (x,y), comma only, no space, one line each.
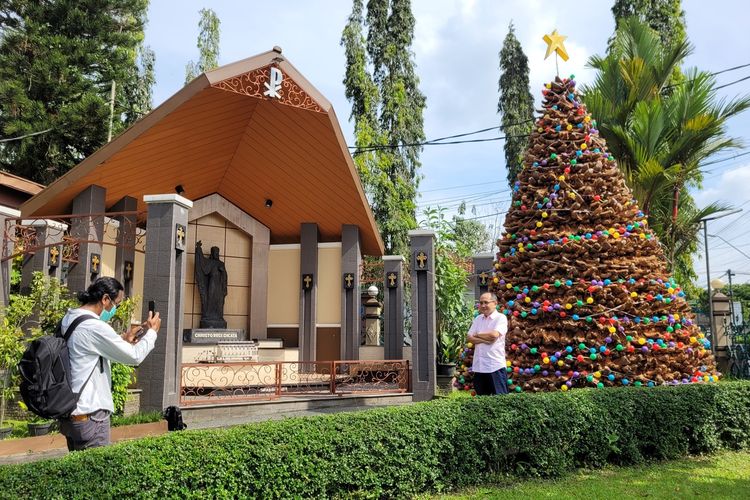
(221,134)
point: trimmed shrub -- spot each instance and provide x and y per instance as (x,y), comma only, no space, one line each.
(395,452)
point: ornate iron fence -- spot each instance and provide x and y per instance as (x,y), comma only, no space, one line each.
(212,383)
(20,234)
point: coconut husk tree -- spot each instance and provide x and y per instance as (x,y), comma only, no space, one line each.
(579,273)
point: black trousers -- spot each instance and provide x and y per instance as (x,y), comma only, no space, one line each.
(490,384)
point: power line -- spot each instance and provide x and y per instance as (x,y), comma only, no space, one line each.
(725,241)
(25,136)
(458,187)
(732,83)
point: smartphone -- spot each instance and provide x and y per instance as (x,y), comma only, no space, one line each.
(151,309)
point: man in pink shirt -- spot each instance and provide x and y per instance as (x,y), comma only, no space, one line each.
(487,334)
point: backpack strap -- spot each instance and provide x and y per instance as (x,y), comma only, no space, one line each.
(74,324)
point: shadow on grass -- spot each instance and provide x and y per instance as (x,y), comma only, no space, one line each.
(725,475)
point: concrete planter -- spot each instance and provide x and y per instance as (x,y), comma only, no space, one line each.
(54,445)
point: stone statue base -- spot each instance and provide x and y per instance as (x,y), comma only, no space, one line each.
(213,335)
(213,323)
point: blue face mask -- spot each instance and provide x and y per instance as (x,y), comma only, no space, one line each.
(108,315)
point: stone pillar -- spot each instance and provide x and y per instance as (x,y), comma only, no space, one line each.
(423,314)
(47,258)
(351,260)
(483,263)
(7,250)
(372,318)
(719,331)
(125,250)
(393,304)
(87,229)
(160,375)
(308,291)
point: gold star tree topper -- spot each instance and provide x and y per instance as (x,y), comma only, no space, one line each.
(555,43)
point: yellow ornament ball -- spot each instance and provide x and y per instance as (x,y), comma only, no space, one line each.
(641,341)
(470,345)
(568,306)
(598,374)
(539,224)
(633,294)
(612,329)
(561,178)
(508,363)
(583,146)
(560,363)
(569,127)
(545,360)
(590,300)
(564,388)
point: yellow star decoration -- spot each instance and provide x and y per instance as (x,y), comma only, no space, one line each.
(555,43)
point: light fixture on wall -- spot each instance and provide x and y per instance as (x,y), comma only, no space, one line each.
(179,189)
(269,202)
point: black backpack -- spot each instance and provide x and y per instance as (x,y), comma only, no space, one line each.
(45,374)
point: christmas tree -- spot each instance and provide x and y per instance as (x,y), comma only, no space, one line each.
(579,274)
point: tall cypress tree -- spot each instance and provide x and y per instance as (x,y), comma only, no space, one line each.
(208,45)
(387,109)
(362,92)
(58,60)
(516,103)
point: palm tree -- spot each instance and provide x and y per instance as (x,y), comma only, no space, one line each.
(661,133)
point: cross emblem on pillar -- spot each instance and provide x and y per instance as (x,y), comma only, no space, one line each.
(392,280)
(95,261)
(421,259)
(348,281)
(128,270)
(179,242)
(53,253)
(307,280)
(483,279)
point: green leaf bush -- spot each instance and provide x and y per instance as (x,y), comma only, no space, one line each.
(400,451)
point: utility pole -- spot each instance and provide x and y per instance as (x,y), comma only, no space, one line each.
(731,298)
(711,326)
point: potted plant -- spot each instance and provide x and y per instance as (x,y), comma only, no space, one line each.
(48,301)
(37,425)
(11,349)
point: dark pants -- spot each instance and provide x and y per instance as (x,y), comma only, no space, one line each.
(490,384)
(86,433)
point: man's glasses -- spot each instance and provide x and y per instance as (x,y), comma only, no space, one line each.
(486,302)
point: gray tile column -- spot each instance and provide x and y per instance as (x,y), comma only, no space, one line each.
(89,230)
(393,306)
(125,250)
(423,314)
(308,291)
(160,375)
(351,259)
(7,250)
(483,266)
(47,258)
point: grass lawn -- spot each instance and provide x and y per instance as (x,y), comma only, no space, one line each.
(724,475)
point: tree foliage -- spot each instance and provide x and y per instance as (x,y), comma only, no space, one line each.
(666,17)
(208,45)
(58,59)
(387,106)
(661,133)
(454,312)
(515,104)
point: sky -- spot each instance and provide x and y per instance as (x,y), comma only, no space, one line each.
(456,45)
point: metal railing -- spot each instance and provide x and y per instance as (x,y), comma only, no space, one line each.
(216,383)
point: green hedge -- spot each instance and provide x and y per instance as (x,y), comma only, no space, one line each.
(399,451)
